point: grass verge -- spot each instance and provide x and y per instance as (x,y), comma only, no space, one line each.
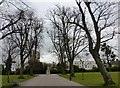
(94,79)
(14,81)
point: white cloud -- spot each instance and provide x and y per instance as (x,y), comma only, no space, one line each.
(48,57)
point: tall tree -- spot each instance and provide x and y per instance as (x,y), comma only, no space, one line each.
(37,34)
(1,2)
(58,45)
(9,54)
(97,17)
(6,13)
(38,30)
(24,38)
(33,60)
(70,37)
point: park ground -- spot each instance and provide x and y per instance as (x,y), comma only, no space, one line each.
(94,79)
(13,80)
(91,79)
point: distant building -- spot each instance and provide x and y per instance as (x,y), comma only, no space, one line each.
(14,66)
(88,65)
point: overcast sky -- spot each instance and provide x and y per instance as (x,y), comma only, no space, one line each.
(41,8)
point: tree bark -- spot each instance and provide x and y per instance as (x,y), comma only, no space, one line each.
(106,76)
(21,71)
(22,67)
(31,67)
(31,71)
(8,73)
(63,68)
(71,70)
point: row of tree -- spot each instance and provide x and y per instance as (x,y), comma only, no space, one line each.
(86,26)
(89,25)
(22,34)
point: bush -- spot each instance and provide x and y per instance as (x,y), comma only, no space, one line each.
(82,70)
(76,69)
(38,68)
(115,68)
(95,69)
(54,70)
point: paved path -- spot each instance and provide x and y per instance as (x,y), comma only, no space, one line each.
(50,80)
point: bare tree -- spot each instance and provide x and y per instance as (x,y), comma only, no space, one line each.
(23,38)
(9,49)
(6,14)
(12,20)
(33,60)
(58,46)
(70,37)
(9,54)
(38,30)
(1,2)
(102,18)
(36,34)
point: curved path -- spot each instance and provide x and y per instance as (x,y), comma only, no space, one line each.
(50,80)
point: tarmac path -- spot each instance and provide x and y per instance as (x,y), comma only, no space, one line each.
(52,80)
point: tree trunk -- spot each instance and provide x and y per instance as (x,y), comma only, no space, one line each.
(31,71)
(106,76)
(8,73)
(31,63)
(82,70)
(21,71)
(63,68)
(31,68)
(71,70)
(22,67)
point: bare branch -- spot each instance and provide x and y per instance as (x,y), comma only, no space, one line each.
(2,2)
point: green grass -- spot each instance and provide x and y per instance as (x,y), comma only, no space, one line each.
(94,79)
(13,79)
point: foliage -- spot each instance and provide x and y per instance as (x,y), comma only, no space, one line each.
(115,68)
(39,68)
(54,70)
(60,66)
(95,69)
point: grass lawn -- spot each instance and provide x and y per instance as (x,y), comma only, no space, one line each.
(13,79)
(94,79)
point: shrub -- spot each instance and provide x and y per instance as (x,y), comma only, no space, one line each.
(54,70)
(95,69)
(76,69)
(115,68)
